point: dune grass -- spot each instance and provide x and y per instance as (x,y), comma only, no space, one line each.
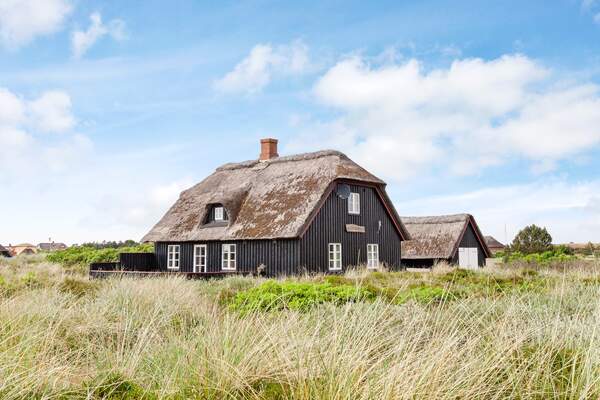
(513,333)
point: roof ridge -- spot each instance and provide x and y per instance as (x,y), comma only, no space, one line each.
(290,158)
(436,219)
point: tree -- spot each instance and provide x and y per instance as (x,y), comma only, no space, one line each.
(532,239)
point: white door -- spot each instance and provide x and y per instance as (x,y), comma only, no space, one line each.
(200,258)
(468,258)
(473,258)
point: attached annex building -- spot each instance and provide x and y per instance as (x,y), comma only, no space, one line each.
(313,212)
(455,239)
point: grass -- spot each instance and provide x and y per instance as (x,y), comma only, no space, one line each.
(525,333)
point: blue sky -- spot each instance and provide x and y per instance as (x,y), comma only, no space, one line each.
(109,109)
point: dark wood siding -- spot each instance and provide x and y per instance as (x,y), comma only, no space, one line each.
(470,240)
(329,226)
(280,257)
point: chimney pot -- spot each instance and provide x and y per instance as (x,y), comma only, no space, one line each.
(268,149)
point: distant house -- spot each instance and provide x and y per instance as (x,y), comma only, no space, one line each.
(494,245)
(4,252)
(315,212)
(455,239)
(23,248)
(51,246)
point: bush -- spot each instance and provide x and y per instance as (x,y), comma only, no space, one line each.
(77,287)
(276,296)
(532,239)
(557,254)
(115,386)
(83,255)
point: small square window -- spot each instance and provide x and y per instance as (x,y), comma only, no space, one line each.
(354,203)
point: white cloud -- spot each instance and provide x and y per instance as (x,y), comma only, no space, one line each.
(400,119)
(51,112)
(23,150)
(82,41)
(138,209)
(257,70)
(23,20)
(570,211)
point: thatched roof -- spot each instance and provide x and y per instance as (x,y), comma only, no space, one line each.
(437,237)
(51,246)
(493,243)
(264,199)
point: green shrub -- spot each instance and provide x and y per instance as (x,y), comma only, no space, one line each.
(77,287)
(276,296)
(114,386)
(83,255)
(30,280)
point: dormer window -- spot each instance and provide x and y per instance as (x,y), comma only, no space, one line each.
(216,214)
(219,214)
(354,203)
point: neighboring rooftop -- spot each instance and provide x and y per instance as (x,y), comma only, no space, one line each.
(494,244)
(51,246)
(435,237)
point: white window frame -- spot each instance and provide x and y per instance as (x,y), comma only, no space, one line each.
(228,257)
(335,256)
(372,255)
(200,257)
(219,213)
(173,256)
(354,203)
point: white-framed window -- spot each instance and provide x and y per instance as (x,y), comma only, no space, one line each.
(219,214)
(372,256)
(354,203)
(335,256)
(173,256)
(229,262)
(200,258)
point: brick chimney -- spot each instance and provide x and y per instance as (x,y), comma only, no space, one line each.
(268,149)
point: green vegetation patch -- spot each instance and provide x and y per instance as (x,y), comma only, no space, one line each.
(78,287)
(84,255)
(300,296)
(115,386)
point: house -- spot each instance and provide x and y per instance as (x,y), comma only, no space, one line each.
(455,239)
(23,248)
(4,252)
(494,245)
(52,246)
(313,212)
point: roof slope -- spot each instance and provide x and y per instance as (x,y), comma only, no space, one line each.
(493,243)
(264,199)
(437,237)
(4,250)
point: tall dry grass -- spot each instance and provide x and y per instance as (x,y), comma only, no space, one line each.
(170,338)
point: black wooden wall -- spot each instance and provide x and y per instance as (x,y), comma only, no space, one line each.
(470,240)
(329,226)
(281,257)
(309,253)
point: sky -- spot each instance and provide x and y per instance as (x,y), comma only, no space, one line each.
(109,109)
